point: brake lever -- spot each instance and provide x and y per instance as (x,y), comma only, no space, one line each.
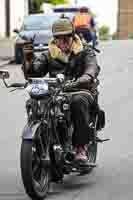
(13,90)
(5,83)
(16,89)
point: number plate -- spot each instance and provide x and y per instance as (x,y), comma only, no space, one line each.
(37,88)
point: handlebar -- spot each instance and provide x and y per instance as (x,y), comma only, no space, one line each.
(97,50)
(17,85)
(52,81)
(49,80)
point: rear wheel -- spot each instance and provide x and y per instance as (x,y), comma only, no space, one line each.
(35,178)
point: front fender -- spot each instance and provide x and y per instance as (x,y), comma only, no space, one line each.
(29,130)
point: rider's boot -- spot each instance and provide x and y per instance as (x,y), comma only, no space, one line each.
(81,157)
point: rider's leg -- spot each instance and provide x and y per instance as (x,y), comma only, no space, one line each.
(94,38)
(80,107)
(80,33)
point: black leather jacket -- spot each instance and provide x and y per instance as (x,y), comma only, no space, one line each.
(79,65)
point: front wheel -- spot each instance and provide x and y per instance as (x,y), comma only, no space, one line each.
(35,178)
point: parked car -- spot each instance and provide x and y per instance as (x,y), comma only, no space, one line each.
(38,25)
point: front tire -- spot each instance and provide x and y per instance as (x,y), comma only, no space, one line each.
(35,178)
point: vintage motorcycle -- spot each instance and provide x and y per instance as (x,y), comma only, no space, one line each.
(46,149)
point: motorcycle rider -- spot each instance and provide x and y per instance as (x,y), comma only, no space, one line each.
(67,55)
(85,25)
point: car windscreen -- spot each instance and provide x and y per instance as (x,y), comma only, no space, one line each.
(38,22)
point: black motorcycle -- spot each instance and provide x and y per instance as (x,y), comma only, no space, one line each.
(46,150)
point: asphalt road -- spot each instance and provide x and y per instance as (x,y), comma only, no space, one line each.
(6,48)
(113,178)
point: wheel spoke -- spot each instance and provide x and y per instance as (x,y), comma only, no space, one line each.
(36,172)
(42,182)
(39,173)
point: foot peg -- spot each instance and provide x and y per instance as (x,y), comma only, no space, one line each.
(101,140)
(92,164)
(89,164)
(84,166)
(85,170)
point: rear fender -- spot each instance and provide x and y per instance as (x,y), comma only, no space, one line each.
(101,120)
(29,130)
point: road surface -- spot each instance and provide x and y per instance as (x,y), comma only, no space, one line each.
(113,178)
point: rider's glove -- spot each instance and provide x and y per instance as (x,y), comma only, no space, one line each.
(70,86)
(82,82)
(85,81)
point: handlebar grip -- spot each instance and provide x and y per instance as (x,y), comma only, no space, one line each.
(97,50)
(17,85)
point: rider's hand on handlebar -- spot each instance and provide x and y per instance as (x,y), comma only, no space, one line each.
(69,86)
(85,79)
(82,82)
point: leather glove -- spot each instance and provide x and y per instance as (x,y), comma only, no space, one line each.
(84,81)
(70,86)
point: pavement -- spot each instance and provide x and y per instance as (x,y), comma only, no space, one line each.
(113,178)
(6,49)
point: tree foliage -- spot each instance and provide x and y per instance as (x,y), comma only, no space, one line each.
(104,32)
(114,36)
(54,2)
(35,5)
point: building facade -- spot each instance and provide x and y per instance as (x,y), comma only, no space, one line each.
(125,19)
(2,18)
(11,15)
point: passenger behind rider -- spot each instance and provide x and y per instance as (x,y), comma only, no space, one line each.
(66,55)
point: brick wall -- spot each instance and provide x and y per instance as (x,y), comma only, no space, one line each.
(125,19)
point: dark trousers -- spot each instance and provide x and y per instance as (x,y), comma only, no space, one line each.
(85,33)
(81,110)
